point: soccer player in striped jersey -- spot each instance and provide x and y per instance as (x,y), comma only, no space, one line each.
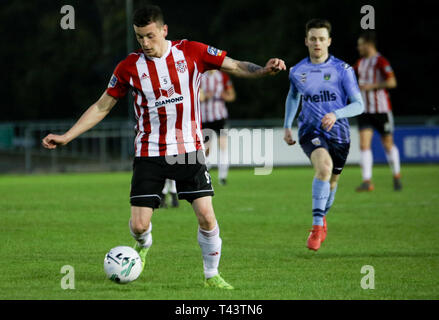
(216,89)
(375,76)
(325,84)
(164,77)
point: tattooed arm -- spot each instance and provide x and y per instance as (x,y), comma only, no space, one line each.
(250,70)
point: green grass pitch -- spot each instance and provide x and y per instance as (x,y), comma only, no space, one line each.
(48,221)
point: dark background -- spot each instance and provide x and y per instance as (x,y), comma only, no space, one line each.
(51,73)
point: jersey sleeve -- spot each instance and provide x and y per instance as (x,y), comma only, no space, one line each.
(118,85)
(207,57)
(349,81)
(385,68)
(293,87)
(227,82)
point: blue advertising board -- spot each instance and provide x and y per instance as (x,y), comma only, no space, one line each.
(415,144)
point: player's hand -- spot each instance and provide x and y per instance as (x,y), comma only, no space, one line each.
(274,65)
(51,141)
(367,87)
(328,121)
(288,137)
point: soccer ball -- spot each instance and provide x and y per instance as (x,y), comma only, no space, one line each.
(122,264)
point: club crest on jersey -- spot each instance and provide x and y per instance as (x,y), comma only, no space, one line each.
(316,141)
(327,76)
(181,66)
(112,82)
(214,51)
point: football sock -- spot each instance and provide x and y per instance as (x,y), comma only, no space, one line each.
(320,194)
(366,162)
(210,244)
(223,164)
(330,200)
(172,186)
(393,160)
(165,187)
(144,239)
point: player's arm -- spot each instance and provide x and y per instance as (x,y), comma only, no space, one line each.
(291,107)
(388,74)
(94,114)
(229,94)
(246,69)
(354,108)
(389,83)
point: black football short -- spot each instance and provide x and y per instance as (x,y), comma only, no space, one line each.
(215,126)
(381,122)
(188,170)
(338,151)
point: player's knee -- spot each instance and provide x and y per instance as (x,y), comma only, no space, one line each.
(324,172)
(387,146)
(206,218)
(139,226)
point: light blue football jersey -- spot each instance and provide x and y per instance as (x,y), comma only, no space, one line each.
(324,88)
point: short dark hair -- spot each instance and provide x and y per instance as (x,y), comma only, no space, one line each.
(369,37)
(148,14)
(317,24)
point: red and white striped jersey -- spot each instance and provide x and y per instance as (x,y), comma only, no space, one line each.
(214,82)
(374,70)
(166,96)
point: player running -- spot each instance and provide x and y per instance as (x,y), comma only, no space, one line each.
(164,77)
(375,77)
(216,90)
(325,84)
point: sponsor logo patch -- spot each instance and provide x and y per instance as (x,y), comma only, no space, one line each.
(168,92)
(113,81)
(214,51)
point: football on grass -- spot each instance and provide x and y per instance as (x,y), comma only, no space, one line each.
(122,264)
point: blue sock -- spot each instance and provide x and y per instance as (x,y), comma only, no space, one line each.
(330,200)
(320,194)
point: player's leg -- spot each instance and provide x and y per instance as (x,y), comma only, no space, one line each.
(140,228)
(366,159)
(209,241)
(173,191)
(194,184)
(165,190)
(146,185)
(333,183)
(223,165)
(392,152)
(392,155)
(322,163)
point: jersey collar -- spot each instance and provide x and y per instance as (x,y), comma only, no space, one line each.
(164,56)
(320,64)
